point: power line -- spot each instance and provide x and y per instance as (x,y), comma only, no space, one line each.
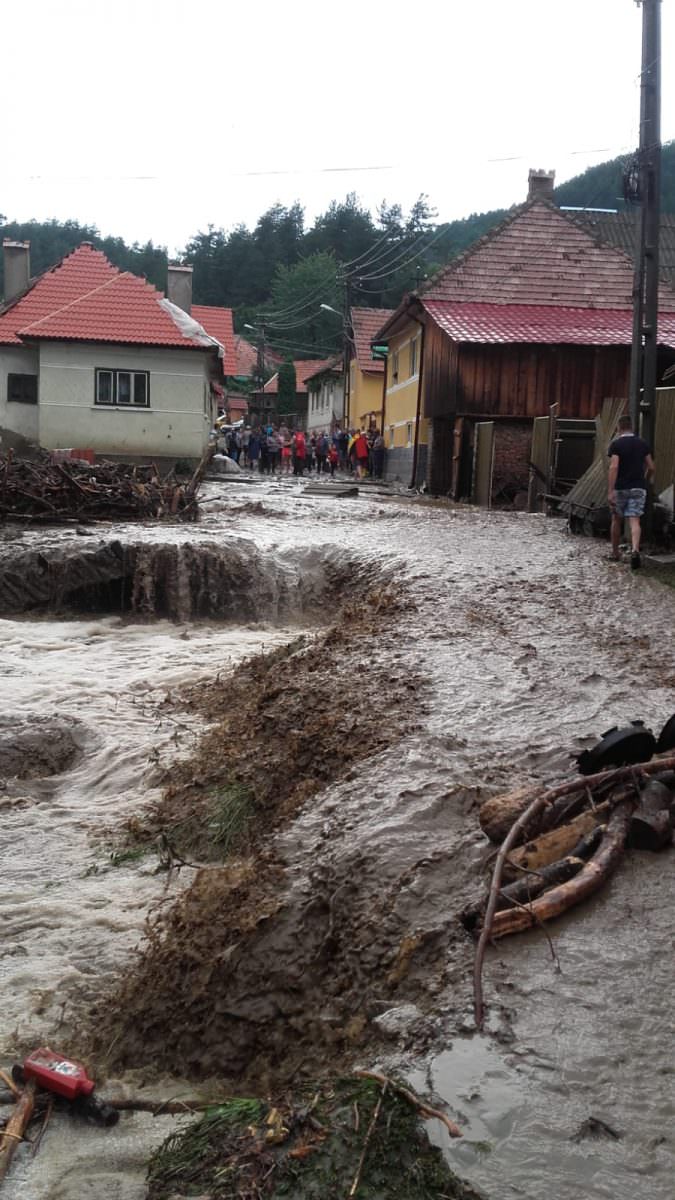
(402,265)
(304,302)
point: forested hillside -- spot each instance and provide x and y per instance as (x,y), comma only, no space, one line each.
(282,271)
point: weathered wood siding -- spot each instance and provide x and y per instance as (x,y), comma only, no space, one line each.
(520,380)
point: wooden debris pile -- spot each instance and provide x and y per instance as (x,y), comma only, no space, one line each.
(557,846)
(49,491)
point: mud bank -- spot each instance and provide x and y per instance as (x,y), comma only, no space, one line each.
(233,1001)
(180,580)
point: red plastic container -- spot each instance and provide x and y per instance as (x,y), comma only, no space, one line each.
(57,1074)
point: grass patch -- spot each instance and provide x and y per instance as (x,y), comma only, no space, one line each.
(127,854)
(314,1147)
(218,827)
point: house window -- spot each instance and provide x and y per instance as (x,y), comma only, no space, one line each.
(126,389)
(22,389)
(413,357)
(391,437)
(394,367)
(408,430)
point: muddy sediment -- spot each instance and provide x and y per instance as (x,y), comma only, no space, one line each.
(260,975)
(36,747)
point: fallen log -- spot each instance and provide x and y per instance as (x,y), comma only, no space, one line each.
(551,847)
(496,815)
(539,804)
(14,1130)
(567,895)
(529,885)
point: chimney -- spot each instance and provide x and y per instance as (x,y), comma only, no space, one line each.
(16,256)
(179,286)
(540,185)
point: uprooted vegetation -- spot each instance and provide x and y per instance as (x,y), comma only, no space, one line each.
(256,978)
(350,1138)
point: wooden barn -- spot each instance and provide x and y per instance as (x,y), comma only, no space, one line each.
(537,313)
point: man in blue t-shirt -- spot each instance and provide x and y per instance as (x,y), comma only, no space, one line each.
(630,465)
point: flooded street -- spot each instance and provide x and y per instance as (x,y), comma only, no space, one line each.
(530,646)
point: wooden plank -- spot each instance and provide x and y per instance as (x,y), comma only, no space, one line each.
(541,432)
(484,455)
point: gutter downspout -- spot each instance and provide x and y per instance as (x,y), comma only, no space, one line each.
(419,400)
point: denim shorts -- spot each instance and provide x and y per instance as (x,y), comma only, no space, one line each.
(630,502)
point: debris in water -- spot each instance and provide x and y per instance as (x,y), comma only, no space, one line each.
(45,490)
(354,1137)
(651,827)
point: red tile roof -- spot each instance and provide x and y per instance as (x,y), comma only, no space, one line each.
(85,298)
(124,309)
(541,323)
(540,256)
(78,273)
(367,323)
(247,357)
(303,369)
(237,404)
(218,322)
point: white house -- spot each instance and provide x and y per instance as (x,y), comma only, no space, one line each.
(325,397)
(93,357)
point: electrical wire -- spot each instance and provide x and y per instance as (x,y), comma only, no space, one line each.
(301,349)
(292,324)
(401,266)
(390,249)
(310,298)
(353,261)
(401,251)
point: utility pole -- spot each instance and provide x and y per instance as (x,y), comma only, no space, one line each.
(346,349)
(261,359)
(644,356)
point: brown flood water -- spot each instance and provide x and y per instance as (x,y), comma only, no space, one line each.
(532,646)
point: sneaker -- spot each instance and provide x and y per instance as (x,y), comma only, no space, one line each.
(612,558)
(635,560)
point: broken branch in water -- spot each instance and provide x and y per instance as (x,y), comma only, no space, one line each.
(422,1107)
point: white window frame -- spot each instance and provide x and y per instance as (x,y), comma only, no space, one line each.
(409,433)
(413,357)
(392,436)
(114,401)
(394,367)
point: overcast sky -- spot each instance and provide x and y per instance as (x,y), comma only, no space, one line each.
(152,120)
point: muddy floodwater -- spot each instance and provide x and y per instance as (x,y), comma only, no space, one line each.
(531,646)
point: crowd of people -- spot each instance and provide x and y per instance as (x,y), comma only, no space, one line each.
(275,449)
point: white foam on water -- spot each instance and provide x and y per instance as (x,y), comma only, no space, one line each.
(69,917)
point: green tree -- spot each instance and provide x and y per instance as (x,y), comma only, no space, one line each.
(286,398)
(346,230)
(295,320)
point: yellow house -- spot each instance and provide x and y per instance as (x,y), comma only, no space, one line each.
(406,431)
(366,374)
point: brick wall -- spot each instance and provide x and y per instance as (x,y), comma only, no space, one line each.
(513,443)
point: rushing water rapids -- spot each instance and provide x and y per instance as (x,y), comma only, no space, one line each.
(532,646)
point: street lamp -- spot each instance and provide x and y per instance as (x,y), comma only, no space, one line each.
(329,308)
